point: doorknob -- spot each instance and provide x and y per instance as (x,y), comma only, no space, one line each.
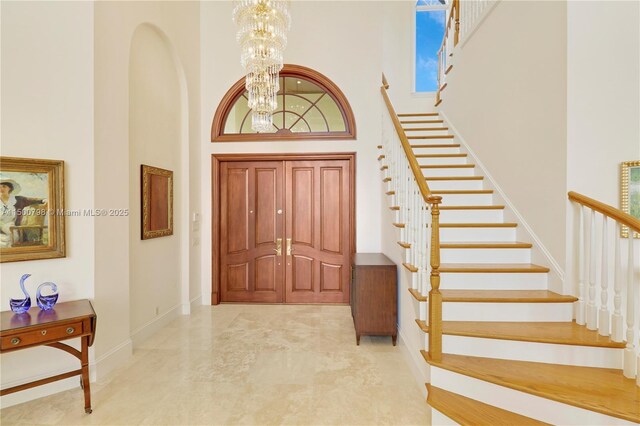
(289,248)
(278,248)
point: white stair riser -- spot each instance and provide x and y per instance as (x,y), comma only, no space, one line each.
(445,150)
(423,125)
(448,235)
(493,281)
(514,312)
(441,171)
(439,419)
(585,356)
(466,255)
(432,161)
(435,185)
(466,199)
(471,216)
(522,403)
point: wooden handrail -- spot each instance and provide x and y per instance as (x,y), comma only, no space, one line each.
(607,210)
(406,146)
(385,83)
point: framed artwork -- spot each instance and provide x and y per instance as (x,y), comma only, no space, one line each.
(630,196)
(157,202)
(32,213)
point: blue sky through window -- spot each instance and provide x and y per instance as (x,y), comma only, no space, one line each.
(429,33)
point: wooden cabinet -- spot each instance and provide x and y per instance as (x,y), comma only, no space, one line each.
(374,296)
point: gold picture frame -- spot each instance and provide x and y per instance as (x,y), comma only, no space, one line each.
(32,214)
(157,202)
(630,193)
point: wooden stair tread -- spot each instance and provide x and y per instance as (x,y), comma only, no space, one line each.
(492,207)
(387,179)
(439,155)
(423,129)
(431,137)
(454,177)
(501,296)
(437,145)
(404,245)
(448,166)
(398,225)
(421,121)
(469,412)
(379,146)
(479,225)
(461,191)
(483,245)
(394,208)
(559,333)
(410,267)
(419,297)
(492,267)
(603,390)
(390,192)
(419,114)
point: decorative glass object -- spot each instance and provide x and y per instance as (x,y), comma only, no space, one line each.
(262,34)
(47,302)
(20,306)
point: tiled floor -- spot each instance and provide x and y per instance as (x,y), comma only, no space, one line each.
(240,364)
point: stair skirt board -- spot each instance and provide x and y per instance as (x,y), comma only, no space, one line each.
(489,255)
(435,185)
(467,199)
(471,216)
(552,353)
(450,235)
(514,312)
(519,402)
(489,281)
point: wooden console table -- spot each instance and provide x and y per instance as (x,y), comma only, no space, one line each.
(36,327)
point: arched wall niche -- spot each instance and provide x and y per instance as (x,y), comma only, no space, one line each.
(328,113)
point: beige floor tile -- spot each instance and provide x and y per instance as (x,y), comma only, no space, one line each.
(252,365)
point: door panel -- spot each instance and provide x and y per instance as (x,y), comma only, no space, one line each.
(318,200)
(250,196)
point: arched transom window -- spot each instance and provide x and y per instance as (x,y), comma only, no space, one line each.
(310,106)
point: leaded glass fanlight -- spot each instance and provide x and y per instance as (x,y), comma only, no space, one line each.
(310,106)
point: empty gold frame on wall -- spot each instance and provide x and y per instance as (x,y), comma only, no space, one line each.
(32,214)
(310,106)
(630,193)
(157,202)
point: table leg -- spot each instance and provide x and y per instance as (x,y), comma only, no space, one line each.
(85,375)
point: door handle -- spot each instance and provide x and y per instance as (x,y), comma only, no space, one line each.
(278,248)
(289,248)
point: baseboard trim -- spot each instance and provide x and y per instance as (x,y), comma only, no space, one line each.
(147,330)
(538,245)
(419,368)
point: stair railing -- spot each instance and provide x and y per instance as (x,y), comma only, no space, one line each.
(593,308)
(449,41)
(410,192)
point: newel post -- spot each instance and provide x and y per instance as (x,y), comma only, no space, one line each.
(435,297)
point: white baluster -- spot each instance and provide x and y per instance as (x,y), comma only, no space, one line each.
(617,328)
(603,314)
(592,309)
(580,304)
(630,363)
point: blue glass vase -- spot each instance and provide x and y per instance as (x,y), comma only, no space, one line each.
(47,302)
(20,306)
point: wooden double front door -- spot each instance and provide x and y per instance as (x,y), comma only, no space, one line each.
(285,231)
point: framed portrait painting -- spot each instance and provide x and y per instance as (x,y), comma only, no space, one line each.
(157,202)
(630,192)
(32,211)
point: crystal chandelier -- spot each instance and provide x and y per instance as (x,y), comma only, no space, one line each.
(262,34)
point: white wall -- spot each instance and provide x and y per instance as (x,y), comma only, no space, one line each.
(155,138)
(506,96)
(47,112)
(115,24)
(324,36)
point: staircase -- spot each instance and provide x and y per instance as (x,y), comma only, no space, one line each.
(512,352)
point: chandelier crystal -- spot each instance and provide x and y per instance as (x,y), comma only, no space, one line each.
(262,35)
